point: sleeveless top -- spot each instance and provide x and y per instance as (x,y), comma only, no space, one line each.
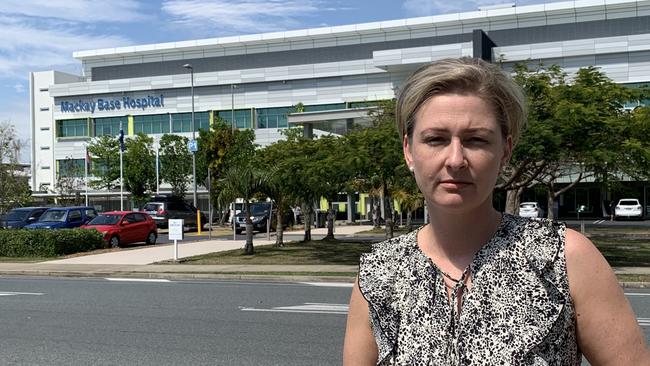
(518,310)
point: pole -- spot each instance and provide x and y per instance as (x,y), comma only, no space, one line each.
(209,206)
(121,175)
(234,217)
(193,138)
(86,173)
(268,223)
(232,106)
(157,170)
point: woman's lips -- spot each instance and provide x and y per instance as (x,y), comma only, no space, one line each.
(454,184)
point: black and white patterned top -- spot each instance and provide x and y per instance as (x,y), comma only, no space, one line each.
(518,310)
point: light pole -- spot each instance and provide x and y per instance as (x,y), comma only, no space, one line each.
(189,67)
(232,106)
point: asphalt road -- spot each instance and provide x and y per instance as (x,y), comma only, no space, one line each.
(80,321)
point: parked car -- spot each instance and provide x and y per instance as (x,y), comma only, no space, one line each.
(259,213)
(19,217)
(530,209)
(64,217)
(628,208)
(164,208)
(124,227)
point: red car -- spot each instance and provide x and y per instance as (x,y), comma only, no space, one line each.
(124,227)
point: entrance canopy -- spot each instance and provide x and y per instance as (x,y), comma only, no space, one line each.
(336,122)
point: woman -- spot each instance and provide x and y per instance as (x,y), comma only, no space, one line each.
(474,286)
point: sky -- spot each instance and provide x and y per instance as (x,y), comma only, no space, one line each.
(40,35)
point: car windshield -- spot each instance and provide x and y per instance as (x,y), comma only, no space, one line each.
(105,220)
(53,216)
(17,215)
(527,205)
(628,202)
(152,206)
(259,209)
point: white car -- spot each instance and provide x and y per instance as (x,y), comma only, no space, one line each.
(530,209)
(628,208)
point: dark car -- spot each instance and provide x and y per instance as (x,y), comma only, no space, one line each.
(64,217)
(124,227)
(163,208)
(19,217)
(259,212)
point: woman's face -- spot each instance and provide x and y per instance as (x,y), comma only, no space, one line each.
(456,150)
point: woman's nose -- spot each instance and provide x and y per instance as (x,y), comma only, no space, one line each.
(456,155)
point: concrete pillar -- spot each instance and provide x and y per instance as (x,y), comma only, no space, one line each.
(350,208)
(308,130)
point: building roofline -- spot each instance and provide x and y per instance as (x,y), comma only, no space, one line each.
(407,24)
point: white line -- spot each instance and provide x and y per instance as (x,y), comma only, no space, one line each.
(637,294)
(9,293)
(137,279)
(328,284)
(295,311)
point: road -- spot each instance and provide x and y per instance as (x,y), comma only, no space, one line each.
(81,321)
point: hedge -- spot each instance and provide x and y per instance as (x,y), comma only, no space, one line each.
(48,242)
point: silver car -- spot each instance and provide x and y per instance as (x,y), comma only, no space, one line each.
(530,209)
(628,208)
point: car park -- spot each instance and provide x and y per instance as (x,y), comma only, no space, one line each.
(163,208)
(124,227)
(530,209)
(64,217)
(21,216)
(259,214)
(628,208)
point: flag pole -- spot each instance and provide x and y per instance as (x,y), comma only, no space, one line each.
(121,168)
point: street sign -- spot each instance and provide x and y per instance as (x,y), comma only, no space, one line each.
(193,146)
(176,229)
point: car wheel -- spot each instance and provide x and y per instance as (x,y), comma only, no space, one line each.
(114,242)
(151,238)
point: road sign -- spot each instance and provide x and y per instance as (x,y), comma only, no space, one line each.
(176,229)
(193,146)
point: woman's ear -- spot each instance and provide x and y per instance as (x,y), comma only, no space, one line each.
(408,157)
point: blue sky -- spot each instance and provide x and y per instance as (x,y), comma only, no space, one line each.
(39,35)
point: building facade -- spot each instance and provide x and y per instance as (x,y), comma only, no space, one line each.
(255,81)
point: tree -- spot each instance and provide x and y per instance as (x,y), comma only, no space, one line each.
(105,167)
(69,181)
(379,159)
(174,156)
(14,186)
(139,167)
(244,181)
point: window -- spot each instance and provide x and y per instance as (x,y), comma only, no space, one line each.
(243,117)
(43,109)
(155,123)
(43,89)
(45,147)
(273,117)
(182,122)
(90,213)
(139,217)
(45,128)
(353,105)
(109,125)
(74,215)
(72,127)
(71,168)
(324,107)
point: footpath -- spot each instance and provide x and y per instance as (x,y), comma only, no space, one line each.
(141,263)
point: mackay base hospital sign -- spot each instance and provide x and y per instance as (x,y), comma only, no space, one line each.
(113,104)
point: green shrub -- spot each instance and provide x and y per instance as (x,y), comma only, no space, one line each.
(48,242)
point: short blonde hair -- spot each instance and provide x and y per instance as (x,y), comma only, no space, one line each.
(463,76)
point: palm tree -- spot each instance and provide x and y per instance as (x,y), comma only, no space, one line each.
(243,182)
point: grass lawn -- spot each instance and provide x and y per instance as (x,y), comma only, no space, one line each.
(624,252)
(25,259)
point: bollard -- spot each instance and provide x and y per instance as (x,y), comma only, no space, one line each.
(198,222)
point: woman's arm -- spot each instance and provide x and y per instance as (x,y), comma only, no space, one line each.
(359,348)
(607,329)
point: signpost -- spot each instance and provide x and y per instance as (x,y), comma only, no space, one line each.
(176,234)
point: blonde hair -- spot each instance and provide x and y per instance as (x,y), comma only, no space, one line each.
(463,76)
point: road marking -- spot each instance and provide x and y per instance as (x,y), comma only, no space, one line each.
(644,322)
(599,221)
(328,284)
(637,294)
(306,308)
(136,279)
(9,293)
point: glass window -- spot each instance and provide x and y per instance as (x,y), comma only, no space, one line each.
(150,124)
(353,105)
(182,122)
(324,107)
(273,117)
(243,117)
(71,168)
(74,215)
(72,127)
(109,125)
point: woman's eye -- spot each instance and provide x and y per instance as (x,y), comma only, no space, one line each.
(434,140)
(477,140)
